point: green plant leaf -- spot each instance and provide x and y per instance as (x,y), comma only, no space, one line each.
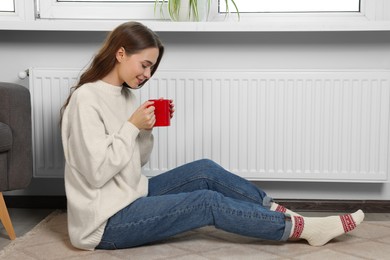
(173,7)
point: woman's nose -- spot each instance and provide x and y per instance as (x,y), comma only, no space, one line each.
(147,73)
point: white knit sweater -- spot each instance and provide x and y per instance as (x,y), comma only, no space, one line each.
(104,154)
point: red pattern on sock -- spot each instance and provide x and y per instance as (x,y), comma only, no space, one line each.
(348,222)
(299,223)
(281,209)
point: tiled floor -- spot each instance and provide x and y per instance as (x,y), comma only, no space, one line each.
(370,241)
(23,221)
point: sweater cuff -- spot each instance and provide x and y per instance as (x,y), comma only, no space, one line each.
(145,133)
(130,130)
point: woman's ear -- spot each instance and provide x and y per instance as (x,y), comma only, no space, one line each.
(120,54)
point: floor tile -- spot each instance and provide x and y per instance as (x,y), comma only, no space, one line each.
(198,243)
(370,230)
(189,257)
(150,252)
(240,251)
(368,249)
(323,254)
(23,220)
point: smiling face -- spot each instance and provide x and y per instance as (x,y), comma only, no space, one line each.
(136,68)
(133,69)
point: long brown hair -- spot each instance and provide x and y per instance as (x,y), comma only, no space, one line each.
(133,37)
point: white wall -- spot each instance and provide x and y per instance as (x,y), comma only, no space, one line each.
(20,50)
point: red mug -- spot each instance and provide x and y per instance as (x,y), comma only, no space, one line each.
(162,111)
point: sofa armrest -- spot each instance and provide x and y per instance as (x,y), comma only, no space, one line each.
(15,111)
(5,137)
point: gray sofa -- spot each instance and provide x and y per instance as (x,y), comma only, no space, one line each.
(16,163)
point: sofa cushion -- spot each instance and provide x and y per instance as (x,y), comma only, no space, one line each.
(5,137)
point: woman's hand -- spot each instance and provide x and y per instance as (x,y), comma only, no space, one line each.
(143,117)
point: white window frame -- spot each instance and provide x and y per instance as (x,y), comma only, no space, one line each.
(374,15)
(9,4)
(315,9)
(17,15)
(51,9)
(370,11)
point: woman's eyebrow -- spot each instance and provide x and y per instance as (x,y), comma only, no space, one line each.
(149,62)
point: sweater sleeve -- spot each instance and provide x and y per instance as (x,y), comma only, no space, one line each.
(96,155)
(146,145)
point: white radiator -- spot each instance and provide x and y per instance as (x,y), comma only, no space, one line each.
(262,125)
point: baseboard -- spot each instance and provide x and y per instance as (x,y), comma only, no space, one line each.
(369,206)
(36,202)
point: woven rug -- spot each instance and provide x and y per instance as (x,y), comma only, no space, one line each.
(50,240)
(46,240)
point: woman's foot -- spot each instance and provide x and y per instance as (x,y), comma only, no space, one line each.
(319,231)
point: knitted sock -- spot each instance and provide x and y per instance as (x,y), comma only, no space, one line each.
(319,231)
(280,208)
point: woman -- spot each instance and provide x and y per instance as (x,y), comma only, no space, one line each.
(107,139)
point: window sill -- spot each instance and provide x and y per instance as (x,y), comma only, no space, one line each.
(218,26)
(374,16)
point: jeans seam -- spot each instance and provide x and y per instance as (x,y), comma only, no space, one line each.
(207,178)
(176,212)
(172,188)
(205,205)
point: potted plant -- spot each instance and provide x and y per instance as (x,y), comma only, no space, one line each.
(190,10)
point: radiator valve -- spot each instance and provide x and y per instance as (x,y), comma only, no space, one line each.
(23,74)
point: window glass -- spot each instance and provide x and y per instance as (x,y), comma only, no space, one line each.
(288,6)
(7,6)
(97,9)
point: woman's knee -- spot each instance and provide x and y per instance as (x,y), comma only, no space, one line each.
(207,164)
(208,196)
(206,169)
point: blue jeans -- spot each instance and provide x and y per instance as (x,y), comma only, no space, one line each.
(191,196)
